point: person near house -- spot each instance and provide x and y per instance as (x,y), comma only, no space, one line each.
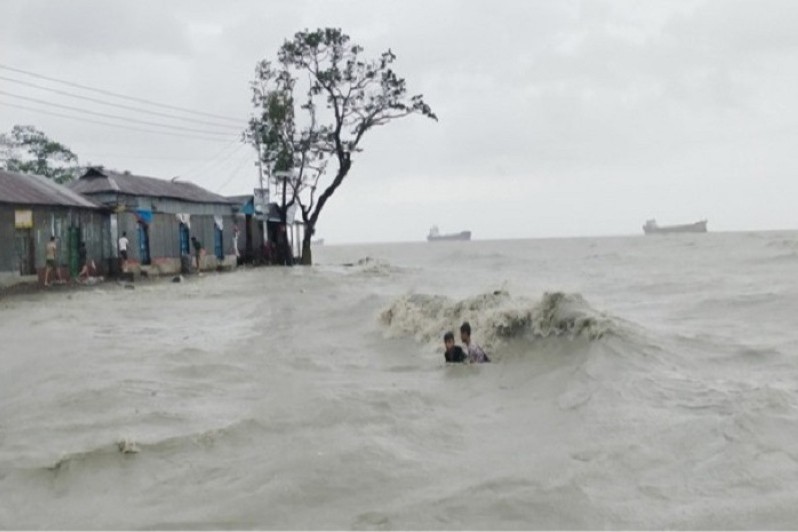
(452,353)
(123,244)
(199,251)
(476,355)
(82,261)
(235,243)
(87,267)
(50,251)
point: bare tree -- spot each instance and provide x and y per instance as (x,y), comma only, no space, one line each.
(344,96)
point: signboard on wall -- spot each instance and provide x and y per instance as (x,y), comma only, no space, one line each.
(23,219)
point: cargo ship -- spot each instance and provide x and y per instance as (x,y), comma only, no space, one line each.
(651,228)
(436,236)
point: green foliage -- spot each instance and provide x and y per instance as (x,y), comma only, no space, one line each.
(30,151)
(344,96)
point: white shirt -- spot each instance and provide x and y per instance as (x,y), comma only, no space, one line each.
(123,243)
(476,354)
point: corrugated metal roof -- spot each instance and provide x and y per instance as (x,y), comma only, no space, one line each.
(241,199)
(30,189)
(97,180)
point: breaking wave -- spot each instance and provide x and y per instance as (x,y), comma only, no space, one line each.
(128,445)
(372,266)
(497,317)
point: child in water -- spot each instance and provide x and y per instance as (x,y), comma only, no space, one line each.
(476,355)
(453,353)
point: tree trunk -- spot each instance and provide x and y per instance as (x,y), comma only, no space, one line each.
(307,256)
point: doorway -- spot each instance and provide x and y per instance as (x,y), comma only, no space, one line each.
(184,240)
(218,242)
(144,243)
(26,251)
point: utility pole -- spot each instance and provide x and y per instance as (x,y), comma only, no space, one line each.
(262,199)
(260,162)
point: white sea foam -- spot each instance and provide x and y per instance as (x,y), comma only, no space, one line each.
(495,317)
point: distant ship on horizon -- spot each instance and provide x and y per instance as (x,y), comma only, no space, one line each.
(651,228)
(436,236)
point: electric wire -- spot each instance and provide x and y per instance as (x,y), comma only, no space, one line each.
(106,115)
(194,168)
(109,124)
(121,106)
(232,175)
(117,95)
(206,170)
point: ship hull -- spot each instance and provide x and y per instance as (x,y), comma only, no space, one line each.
(463,235)
(698,227)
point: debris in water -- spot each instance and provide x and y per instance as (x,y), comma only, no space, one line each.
(127,446)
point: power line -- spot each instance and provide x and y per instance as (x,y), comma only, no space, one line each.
(117,117)
(232,175)
(196,168)
(108,124)
(121,106)
(218,165)
(213,165)
(117,95)
(94,155)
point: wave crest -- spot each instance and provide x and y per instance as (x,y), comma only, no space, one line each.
(496,317)
(372,266)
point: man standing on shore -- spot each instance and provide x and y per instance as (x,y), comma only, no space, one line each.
(235,242)
(198,250)
(50,263)
(123,243)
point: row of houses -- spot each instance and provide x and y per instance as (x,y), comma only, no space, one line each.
(158,216)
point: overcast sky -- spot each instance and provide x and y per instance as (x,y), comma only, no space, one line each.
(557,117)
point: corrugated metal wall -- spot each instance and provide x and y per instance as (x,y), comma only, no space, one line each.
(9,262)
(101,234)
(164,233)
(53,221)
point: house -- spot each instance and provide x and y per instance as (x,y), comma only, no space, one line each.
(250,220)
(160,217)
(32,209)
(250,224)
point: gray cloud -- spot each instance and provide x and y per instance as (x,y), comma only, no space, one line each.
(94,27)
(575,116)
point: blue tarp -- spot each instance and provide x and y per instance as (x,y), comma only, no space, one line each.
(144,215)
(249,207)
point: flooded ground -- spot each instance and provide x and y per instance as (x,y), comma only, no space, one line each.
(636,383)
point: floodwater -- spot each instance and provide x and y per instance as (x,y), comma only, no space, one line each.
(637,382)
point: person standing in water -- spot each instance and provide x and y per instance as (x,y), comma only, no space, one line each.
(453,353)
(476,355)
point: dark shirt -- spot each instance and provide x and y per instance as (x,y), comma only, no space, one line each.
(455,355)
(197,245)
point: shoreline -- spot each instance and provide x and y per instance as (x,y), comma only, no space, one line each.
(34,285)
(25,287)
